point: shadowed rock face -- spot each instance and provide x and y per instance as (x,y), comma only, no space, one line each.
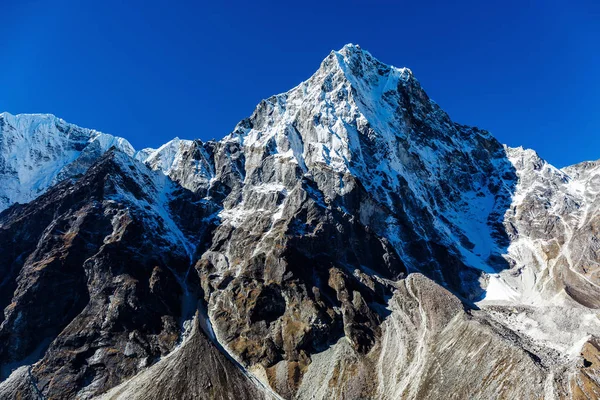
(93,284)
(348,240)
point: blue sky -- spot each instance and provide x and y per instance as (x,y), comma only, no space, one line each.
(149,71)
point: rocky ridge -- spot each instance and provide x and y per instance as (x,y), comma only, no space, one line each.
(347,240)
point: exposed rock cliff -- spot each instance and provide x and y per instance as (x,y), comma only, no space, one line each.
(347,240)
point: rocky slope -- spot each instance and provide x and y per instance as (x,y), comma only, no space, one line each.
(347,240)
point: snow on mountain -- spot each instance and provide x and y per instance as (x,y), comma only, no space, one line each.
(184,161)
(553,283)
(359,117)
(167,156)
(547,222)
(39,150)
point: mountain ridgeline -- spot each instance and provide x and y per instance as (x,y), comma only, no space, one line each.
(347,240)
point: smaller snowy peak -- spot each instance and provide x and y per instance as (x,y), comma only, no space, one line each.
(538,178)
(106,141)
(546,222)
(186,162)
(167,156)
(582,169)
(536,173)
(43,125)
(528,162)
(39,150)
(23,120)
(143,154)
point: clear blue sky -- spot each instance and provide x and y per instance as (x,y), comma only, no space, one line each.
(149,71)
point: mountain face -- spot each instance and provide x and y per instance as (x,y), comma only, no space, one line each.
(347,240)
(38,151)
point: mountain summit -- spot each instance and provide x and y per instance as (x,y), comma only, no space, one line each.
(347,240)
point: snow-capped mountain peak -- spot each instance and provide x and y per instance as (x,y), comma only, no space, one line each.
(39,150)
(347,240)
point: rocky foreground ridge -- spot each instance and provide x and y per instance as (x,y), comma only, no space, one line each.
(347,240)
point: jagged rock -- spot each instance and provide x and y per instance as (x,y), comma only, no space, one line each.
(347,240)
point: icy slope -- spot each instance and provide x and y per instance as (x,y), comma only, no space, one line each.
(185,161)
(551,223)
(39,150)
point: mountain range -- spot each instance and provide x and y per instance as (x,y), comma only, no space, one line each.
(347,240)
